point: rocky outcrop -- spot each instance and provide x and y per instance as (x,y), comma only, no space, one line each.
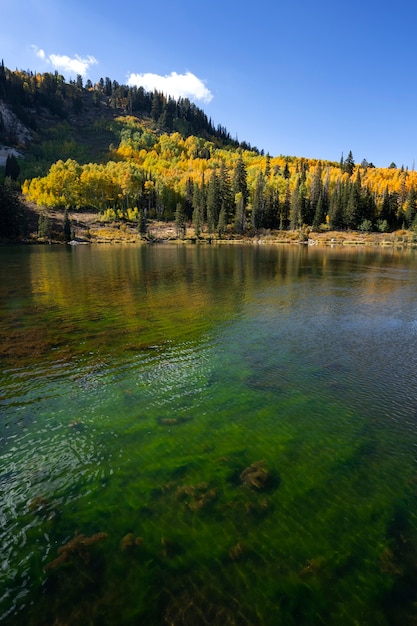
(13,133)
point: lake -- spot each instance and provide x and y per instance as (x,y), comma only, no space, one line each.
(208,435)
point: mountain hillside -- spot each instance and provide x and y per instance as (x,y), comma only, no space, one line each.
(131,156)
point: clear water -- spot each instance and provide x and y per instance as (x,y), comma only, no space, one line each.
(138,384)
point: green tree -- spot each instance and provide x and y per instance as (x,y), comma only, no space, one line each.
(44,227)
(240,189)
(349,164)
(336,207)
(352,213)
(411,206)
(12,169)
(319,214)
(12,216)
(226,193)
(180,224)
(67,226)
(296,206)
(239,183)
(213,202)
(258,203)
(142,226)
(240,214)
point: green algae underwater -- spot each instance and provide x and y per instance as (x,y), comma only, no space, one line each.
(208,435)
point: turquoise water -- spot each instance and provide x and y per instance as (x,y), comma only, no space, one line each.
(208,435)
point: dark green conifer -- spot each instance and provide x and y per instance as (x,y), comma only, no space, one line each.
(67,226)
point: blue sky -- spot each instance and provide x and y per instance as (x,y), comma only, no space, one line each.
(313,79)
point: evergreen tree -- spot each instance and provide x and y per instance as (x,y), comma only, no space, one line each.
(44,227)
(240,215)
(239,183)
(180,224)
(349,164)
(213,202)
(222,223)
(267,166)
(411,207)
(315,191)
(67,226)
(389,209)
(197,210)
(284,210)
(226,193)
(240,189)
(12,169)
(12,217)
(296,206)
(272,207)
(352,214)
(142,226)
(319,215)
(258,203)
(336,208)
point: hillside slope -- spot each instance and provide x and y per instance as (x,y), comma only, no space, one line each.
(132,157)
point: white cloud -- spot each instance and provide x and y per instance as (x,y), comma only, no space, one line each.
(76,65)
(64,63)
(176,85)
(39,52)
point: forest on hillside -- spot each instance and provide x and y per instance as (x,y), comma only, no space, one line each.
(137,156)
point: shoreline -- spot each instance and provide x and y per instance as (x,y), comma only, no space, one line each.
(86,228)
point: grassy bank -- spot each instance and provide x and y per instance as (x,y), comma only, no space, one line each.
(88,227)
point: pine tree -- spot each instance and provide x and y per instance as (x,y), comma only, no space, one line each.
(336,208)
(12,169)
(319,215)
(240,179)
(240,215)
(213,202)
(353,214)
(267,166)
(67,226)
(258,203)
(180,221)
(296,207)
(349,164)
(284,209)
(411,206)
(142,226)
(240,189)
(226,193)
(272,207)
(12,217)
(198,209)
(44,227)
(286,171)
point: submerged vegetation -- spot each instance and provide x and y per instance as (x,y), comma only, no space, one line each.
(133,157)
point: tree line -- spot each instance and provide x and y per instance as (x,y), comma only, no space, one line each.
(170,177)
(26,92)
(203,177)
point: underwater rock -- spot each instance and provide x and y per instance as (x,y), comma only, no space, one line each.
(76,546)
(256,476)
(130,541)
(196,497)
